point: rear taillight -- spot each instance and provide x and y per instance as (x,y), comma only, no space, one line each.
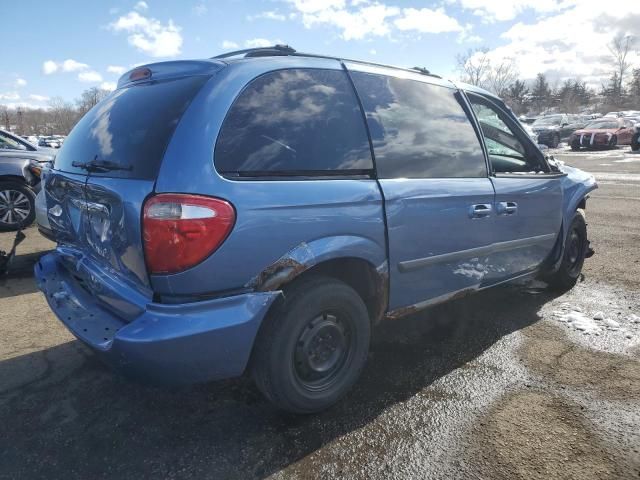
(180,231)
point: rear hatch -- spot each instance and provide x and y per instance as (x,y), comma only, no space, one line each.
(105,171)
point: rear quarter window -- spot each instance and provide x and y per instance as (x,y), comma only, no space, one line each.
(294,122)
(131,128)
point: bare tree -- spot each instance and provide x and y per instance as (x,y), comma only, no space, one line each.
(501,76)
(477,68)
(64,116)
(90,98)
(474,66)
(619,48)
(4,117)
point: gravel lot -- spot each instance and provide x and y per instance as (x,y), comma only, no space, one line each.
(511,383)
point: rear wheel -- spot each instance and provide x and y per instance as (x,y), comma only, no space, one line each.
(17,205)
(555,141)
(575,250)
(635,142)
(313,346)
(575,145)
(613,142)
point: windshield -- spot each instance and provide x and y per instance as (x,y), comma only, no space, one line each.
(8,143)
(603,124)
(130,129)
(545,121)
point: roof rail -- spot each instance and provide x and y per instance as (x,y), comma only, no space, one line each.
(284,50)
(424,71)
(260,52)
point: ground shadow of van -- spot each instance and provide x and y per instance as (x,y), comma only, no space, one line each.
(66,415)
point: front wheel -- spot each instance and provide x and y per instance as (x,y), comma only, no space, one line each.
(17,205)
(575,249)
(555,141)
(613,142)
(313,346)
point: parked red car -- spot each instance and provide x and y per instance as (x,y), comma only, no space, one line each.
(604,132)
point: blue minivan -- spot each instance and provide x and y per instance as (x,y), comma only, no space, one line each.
(261,211)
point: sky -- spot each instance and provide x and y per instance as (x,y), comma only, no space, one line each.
(58,49)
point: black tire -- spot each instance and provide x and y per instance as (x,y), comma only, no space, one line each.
(293,363)
(635,142)
(613,142)
(555,141)
(575,145)
(17,205)
(575,249)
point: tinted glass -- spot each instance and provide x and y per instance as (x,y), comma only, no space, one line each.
(131,128)
(418,130)
(297,121)
(507,153)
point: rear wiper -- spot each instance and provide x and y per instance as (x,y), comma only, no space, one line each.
(101,166)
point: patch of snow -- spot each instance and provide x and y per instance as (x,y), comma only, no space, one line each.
(611,323)
(579,321)
(633,318)
(598,316)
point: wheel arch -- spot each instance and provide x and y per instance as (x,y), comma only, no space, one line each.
(357,261)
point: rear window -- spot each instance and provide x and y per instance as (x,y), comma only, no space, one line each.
(130,128)
(294,122)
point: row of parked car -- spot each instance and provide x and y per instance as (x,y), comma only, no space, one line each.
(21,165)
(45,141)
(579,131)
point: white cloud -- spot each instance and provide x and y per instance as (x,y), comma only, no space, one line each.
(108,86)
(20,82)
(141,6)
(426,20)
(200,9)
(11,96)
(571,43)
(359,19)
(316,6)
(373,52)
(501,10)
(38,98)
(354,24)
(269,15)
(149,35)
(258,43)
(49,67)
(90,76)
(71,65)
(228,45)
(117,69)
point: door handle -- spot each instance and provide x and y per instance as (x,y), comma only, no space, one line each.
(506,208)
(480,210)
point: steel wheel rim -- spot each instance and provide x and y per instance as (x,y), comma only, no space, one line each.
(322,350)
(15,207)
(574,250)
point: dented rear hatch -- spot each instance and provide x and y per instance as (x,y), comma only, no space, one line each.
(108,167)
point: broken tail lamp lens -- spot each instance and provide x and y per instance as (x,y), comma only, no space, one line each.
(180,231)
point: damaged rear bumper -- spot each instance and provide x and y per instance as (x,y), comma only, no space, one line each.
(166,344)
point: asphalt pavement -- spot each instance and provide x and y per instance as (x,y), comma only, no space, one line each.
(515,382)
